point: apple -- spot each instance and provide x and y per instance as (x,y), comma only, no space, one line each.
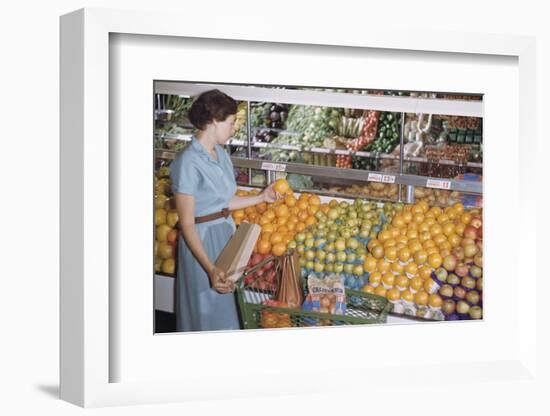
(449,262)
(310,254)
(446,290)
(475,312)
(330,247)
(341,256)
(467,241)
(300,237)
(329,268)
(461,270)
(348,268)
(470,232)
(340,244)
(479,284)
(459,292)
(351,257)
(319,242)
(458,253)
(470,250)
(319,267)
(478,260)
(441,274)
(338,267)
(468,282)
(330,258)
(331,236)
(255,259)
(320,255)
(475,270)
(473,297)
(476,221)
(308,243)
(358,270)
(462,307)
(310,265)
(448,307)
(172,218)
(453,279)
(301,250)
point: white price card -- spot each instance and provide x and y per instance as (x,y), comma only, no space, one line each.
(279,167)
(167,155)
(378,177)
(438,184)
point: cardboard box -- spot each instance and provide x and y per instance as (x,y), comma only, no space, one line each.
(236,253)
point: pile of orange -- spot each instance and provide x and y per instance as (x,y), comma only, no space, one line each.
(405,252)
(281,220)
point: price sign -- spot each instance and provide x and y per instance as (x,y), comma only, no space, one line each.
(167,155)
(279,167)
(378,177)
(438,184)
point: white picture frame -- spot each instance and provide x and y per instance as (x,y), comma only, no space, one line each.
(85,353)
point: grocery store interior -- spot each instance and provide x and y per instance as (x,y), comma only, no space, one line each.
(382,198)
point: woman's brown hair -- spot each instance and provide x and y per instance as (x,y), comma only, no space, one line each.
(209,106)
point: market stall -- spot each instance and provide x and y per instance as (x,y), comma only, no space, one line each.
(382,191)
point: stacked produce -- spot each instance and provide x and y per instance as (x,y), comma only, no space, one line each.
(368,132)
(406,252)
(371,189)
(460,278)
(388,133)
(337,244)
(281,220)
(439,197)
(348,131)
(241,132)
(272,115)
(166,219)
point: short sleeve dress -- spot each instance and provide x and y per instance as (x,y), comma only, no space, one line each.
(195,172)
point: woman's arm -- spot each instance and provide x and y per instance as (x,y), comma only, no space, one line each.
(239,202)
(185,205)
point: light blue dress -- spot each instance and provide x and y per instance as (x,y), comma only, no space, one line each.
(195,172)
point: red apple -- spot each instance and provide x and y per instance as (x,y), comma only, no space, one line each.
(470,232)
(461,270)
(172,235)
(458,252)
(476,221)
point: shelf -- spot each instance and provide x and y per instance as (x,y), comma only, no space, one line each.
(330,99)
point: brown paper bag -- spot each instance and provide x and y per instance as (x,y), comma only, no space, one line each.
(290,289)
(234,256)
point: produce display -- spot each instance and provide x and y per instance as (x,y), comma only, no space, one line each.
(166,219)
(388,133)
(409,259)
(370,189)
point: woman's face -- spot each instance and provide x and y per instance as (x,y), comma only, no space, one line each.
(225,129)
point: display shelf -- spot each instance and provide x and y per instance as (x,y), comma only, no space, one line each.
(403,104)
(322,150)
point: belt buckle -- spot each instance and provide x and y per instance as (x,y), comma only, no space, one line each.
(225,212)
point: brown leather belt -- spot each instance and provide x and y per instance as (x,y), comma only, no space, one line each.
(211,217)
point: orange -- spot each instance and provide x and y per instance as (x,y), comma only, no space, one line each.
(459,208)
(278,249)
(268,228)
(384,235)
(395,232)
(370,264)
(281,211)
(237,221)
(435,300)
(459,228)
(276,238)
(303,215)
(436,211)
(311,220)
(420,257)
(300,226)
(281,220)
(442,218)
(283,229)
(432,250)
(290,201)
(281,186)
(372,243)
(312,209)
(436,229)
(314,200)
(390,253)
(302,204)
(290,225)
(383,266)
(324,208)
(466,218)
(380,291)
(454,239)
(238,213)
(270,214)
(333,203)
(396,268)
(294,211)
(253,218)
(377,252)
(250,210)
(262,207)
(398,221)
(393,294)
(264,247)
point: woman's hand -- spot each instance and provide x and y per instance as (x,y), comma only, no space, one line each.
(269,195)
(219,281)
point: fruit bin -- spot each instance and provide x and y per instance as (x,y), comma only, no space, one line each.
(361,308)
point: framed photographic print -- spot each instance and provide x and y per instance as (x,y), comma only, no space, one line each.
(381,257)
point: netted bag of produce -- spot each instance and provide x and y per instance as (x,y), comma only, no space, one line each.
(326,295)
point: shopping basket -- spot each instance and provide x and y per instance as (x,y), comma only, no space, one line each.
(361,308)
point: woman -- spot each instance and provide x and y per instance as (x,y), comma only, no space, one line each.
(204,186)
